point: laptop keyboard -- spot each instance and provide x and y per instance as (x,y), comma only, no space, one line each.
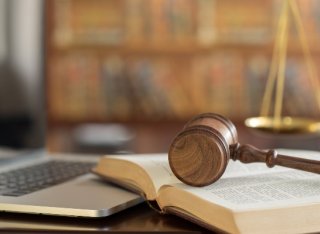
(29,179)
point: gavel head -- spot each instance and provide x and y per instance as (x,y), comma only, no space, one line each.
(199,154)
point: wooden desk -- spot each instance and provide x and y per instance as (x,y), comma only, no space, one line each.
(151,138)
(140,218)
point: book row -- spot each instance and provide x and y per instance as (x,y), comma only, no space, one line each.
(83,87)
(182,22)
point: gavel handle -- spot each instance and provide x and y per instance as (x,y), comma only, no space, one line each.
(250,154)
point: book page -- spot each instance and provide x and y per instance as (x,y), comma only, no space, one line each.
(265,190)
(156,165)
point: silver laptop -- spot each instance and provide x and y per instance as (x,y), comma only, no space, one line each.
(31,180)
(59,185)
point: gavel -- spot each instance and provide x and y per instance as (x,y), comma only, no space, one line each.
(199,154)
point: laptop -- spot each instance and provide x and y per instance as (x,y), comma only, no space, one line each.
(31,179)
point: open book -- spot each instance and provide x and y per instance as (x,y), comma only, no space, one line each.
(249,198)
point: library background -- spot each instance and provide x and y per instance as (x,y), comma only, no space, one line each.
(125,75)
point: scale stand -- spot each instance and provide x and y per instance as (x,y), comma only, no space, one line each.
(278,123)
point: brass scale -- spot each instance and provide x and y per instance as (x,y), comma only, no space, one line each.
(276,79)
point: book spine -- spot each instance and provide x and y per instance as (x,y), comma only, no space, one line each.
(206,25)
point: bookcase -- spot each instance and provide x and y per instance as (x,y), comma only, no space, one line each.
(151,61)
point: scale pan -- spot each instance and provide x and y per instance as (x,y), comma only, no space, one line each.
(286,125)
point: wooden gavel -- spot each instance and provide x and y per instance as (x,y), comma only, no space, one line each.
(199,154)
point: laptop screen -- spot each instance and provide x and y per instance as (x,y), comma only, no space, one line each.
(22,115)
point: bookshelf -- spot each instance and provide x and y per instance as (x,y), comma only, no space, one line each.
(152,61)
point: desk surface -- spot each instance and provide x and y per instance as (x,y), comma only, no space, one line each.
(140,218)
